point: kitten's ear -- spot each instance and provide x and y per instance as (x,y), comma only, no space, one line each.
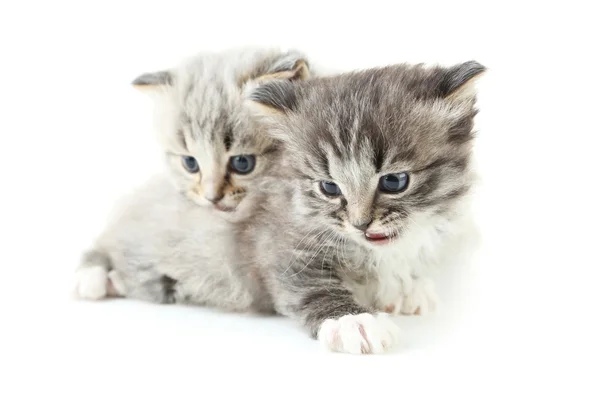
(275,97)
(271,90)
(458,82)
(153,80)
(291,66)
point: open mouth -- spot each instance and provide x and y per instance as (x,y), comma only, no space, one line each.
(380,238)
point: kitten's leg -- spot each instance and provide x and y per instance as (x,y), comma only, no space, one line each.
(315,295)
(145,283)
(93,277)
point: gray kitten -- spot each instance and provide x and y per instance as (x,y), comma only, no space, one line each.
(381,171)
(172,240)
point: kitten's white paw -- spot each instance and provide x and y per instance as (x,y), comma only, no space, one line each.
(360,334)
(420,300)
(90,283)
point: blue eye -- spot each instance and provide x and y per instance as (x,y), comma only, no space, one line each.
(190,164)
(242,164)
(330,188)
(394,183)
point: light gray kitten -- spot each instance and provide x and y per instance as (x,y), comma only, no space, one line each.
(380,166)
(173,240)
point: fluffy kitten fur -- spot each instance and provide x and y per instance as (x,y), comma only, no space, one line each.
(172,240)
(288,247)
(353,129)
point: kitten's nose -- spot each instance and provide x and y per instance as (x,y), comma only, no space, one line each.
(213,198)
(212,190)
(362,226)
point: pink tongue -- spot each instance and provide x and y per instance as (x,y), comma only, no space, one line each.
(376,236)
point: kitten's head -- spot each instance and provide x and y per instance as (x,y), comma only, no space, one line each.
(377,152)
(216,153)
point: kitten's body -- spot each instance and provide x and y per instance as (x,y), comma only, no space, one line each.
(166,248)
(339,262)
(291,248)
(173,239)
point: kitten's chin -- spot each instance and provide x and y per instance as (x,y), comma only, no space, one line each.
(237,213)
(231,214)
(227,212)
(225,209)
(219,208)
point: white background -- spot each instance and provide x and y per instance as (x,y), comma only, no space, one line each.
(74,136)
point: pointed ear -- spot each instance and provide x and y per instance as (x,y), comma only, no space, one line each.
(290,66)
(458,82)
(153,80)
(275,97)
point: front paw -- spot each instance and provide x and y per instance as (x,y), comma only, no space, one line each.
(95,283)
(360,334)
(91,283)
(420,299)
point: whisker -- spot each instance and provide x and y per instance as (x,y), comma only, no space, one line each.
(296,256)
(322,245)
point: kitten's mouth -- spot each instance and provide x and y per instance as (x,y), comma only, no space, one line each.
(224,208)
(380,238)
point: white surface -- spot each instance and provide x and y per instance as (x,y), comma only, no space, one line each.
(74,136)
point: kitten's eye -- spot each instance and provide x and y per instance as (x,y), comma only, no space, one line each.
(330,189)
(394,183)
(190,164)
(242,164)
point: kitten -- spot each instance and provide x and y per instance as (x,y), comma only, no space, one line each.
(382,170)
(173,239)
